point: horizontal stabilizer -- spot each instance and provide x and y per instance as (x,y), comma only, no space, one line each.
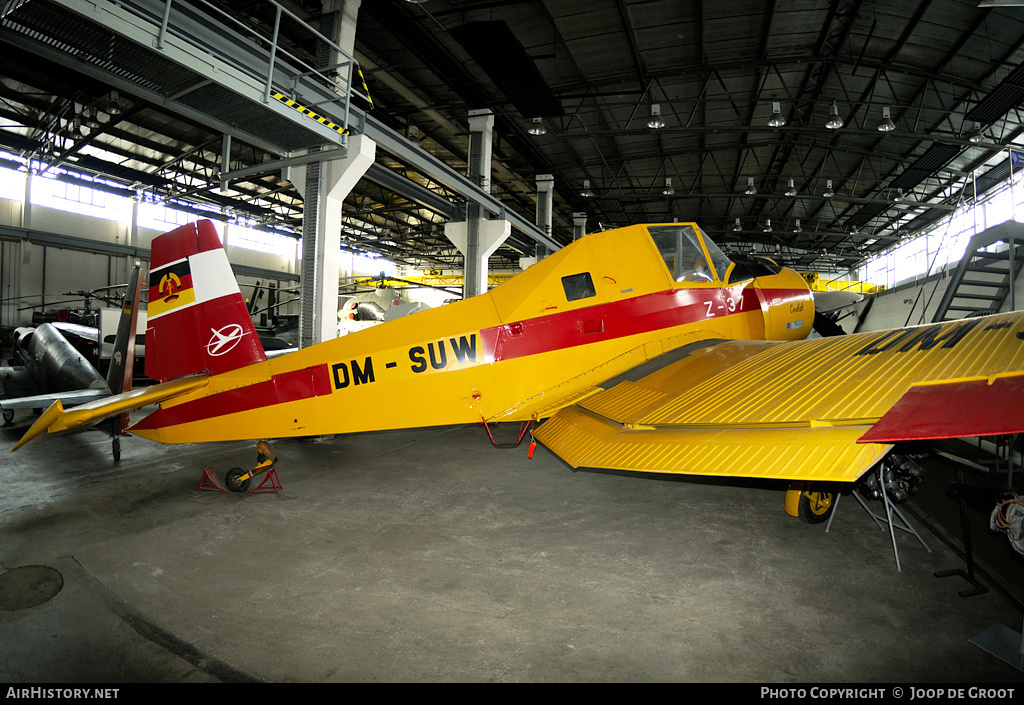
(42,401)
(57,420)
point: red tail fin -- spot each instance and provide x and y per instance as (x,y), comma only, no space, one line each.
(197,320)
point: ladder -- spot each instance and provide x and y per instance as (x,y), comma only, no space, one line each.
(983,280)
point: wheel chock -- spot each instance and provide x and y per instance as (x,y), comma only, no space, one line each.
(209,481)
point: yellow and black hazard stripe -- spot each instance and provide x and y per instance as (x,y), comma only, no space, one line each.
(309,113)
(366,90)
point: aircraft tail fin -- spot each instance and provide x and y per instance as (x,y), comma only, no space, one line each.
(197,320)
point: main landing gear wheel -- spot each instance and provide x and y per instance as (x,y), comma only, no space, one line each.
(8,416)
(816,505)
(231,480)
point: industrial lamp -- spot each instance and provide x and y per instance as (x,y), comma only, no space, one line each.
(537,127)
(834,121)
(887,125)
(668,190)
(776,119)
(586,192)
(829,193)
(655,122)
(751,189)
(791,191)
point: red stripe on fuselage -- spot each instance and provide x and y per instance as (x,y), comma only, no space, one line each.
(618,319)
(289,386)
(582,326)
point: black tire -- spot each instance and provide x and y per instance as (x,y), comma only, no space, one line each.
(816,504)
(8,416)
(115,446)
(231,480)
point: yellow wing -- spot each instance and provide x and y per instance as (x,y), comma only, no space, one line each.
(820,409)
(56,420)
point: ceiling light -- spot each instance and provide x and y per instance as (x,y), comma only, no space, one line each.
(655,122)
(899,196)
(829,193)
(834,121)
(586,192)
(537,128)
(767,225)
(776,120)
(887,125)
(751,189)
(668,191)
(791,191)
(737,227)
(797,228)
(976,136)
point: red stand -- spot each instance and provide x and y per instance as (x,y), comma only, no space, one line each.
(209,481)
(275,483)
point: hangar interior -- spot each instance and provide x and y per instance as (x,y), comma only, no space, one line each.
(861,143)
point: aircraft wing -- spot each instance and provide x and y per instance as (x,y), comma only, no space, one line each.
(825,409)
(56,420)
(43,401)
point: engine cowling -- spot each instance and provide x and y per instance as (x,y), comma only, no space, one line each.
(787,305)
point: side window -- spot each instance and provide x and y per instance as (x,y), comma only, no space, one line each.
(578,286)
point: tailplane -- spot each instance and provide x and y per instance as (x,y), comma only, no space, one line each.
(197,321)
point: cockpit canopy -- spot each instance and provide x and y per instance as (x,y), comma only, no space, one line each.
(692,257)
(689,256)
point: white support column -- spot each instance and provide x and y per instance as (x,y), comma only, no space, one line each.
(326,184)
(490,234)
(579,225)
(545,206)
(319,283)
(26,204)
(478,238)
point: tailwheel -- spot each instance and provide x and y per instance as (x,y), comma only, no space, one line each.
(235,483)
(816,504)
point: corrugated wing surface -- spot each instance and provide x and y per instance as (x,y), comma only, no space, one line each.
(780,410)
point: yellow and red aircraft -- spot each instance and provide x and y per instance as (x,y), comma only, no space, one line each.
(733,389)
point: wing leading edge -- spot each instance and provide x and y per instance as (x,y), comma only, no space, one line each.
(820,409)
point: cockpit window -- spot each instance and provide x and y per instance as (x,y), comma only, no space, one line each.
(680,247)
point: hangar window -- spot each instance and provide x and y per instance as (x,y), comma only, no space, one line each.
(680,248)
(578,286)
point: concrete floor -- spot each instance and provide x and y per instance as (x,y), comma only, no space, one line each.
(427,555)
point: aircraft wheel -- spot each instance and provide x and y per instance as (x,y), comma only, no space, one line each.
(231,480)
(816,504)
(115,446)
(8,415)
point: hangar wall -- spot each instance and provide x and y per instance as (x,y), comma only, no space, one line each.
(891,308)
(28,269)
